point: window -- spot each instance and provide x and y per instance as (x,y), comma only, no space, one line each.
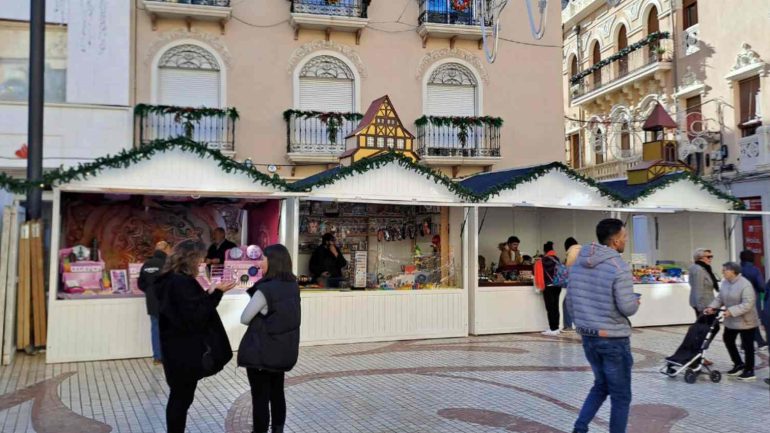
(690,11)
(574,146)
(749,97)
(653,25)
(452,91)
(669,152)
(598,146)
(14,62)
(573,67)
(400,143)
(625,139)
(596,58)
(189,76)
(326,84)
(622,44)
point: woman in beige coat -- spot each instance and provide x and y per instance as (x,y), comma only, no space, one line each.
(737,296)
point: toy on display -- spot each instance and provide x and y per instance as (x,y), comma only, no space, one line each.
(242,265)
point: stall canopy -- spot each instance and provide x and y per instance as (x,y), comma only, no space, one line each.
(545,185)
(389,177)
(677,191)
(175,166)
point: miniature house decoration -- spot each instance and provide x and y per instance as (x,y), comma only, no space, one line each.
(380,130)
(660,155)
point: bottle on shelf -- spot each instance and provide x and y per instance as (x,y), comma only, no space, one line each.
(94,251)
(106,284)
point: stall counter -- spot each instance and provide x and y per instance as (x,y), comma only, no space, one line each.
(512,309)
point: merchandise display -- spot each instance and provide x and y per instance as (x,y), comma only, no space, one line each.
(664,274)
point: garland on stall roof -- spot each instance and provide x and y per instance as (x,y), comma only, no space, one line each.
(127,158)
(542,170)
(186,116)
(375,162)
(686,175)
(462,123)
(332,119)
(652,37)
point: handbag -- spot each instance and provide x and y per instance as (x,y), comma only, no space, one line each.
(217,351)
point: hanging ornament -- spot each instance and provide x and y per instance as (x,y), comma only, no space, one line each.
(461,5)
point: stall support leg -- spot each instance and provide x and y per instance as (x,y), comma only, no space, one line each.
(444,233)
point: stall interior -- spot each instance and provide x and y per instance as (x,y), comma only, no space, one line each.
(107,237)
(390,247)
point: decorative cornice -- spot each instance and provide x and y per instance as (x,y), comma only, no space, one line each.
(321,45)
(168,37)
(457,53)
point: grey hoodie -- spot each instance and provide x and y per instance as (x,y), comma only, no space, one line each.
(601,293)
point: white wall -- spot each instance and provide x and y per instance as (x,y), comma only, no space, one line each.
(55,10)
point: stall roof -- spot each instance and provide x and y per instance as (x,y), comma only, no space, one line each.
(682,190)
(551,184)
(388,177)
(168,167)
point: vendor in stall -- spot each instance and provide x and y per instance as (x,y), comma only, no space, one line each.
(218,249)
(510,254)
(327,262)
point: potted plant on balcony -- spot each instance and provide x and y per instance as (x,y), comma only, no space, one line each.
(660,52)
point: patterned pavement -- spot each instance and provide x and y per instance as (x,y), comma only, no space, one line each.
(522,383)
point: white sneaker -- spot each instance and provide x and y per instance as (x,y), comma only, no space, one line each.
(555,333)
(547,332)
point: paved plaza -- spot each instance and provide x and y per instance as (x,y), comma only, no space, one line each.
(509,383)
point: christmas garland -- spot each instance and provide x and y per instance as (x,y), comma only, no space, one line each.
(367,164)
(462,123)
(652,37)
(461,5)
(186,116)
(685,175)
(126,158)
(332,120)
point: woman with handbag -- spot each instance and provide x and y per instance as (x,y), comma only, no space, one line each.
(270,346)
(192,337)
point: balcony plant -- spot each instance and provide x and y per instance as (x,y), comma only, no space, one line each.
(651,38)
(332,120)
(462,123)
(186,116)
(660,52)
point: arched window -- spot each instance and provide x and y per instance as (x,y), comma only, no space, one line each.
(653,25)
(625,140)
(189,76)
(452,91)
(622,44)
(573,67)
(326,84)
(669,152)
(598,143)
(596,58)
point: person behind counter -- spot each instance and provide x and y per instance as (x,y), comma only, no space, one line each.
(509,253)
(327,262)
(220,246)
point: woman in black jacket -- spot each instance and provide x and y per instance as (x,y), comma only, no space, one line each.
(270,346)
(192,337)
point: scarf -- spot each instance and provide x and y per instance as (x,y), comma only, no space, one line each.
(707,268)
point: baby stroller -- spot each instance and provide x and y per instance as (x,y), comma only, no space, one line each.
(690,355)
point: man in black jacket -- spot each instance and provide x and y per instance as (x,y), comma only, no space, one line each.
(218,249)
(151,269)
(327,262)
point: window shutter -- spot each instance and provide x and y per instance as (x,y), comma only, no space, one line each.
(189,87)
(324,94)
(451,100)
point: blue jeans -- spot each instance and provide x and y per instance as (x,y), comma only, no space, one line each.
(567,319)
(611,362)
(155,336)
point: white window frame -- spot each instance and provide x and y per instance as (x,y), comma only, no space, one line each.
(479,83)
(155,73)
(356,77)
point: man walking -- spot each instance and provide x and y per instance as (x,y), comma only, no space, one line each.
(151,269)
(601,297)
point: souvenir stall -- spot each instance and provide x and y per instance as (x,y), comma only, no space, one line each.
(104,226)
(402,230)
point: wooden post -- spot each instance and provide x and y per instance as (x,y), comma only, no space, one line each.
(444,233)
(38,284)
(22,301)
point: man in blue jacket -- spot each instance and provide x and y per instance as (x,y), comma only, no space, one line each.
(601,297)
(752,273)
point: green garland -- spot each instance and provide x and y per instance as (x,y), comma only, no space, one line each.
(387,157)
(686,175)
(462,123)
(652,37)
(126,158)
(186,116)
(332,120)
(542,170)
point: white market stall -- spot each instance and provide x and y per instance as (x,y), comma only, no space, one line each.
(171,194)
(386,211)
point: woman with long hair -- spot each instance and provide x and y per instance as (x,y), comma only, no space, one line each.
(192,337)
(270,346)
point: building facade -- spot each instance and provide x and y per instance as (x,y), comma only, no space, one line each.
(300,73)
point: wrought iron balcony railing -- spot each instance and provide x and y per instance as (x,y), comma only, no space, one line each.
(218,3)
(443,12)
(341,8)
(309,132)
(212,126)
(461,137)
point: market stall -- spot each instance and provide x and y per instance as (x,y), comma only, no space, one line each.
(401,228)
(106,225)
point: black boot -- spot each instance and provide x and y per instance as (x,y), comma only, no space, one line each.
(277,429)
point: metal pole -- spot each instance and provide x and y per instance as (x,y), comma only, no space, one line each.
(35,115)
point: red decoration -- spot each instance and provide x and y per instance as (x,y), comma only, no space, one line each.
(461,5)
(22,152)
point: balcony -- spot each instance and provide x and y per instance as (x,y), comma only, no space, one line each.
(609,170)
(317,138)
(439,19)
(206,10)
(754,151)
(330,15)
(645,63)
(691,40)
(213,127)
(440,142)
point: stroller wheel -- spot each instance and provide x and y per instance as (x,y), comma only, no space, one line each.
(715,376)
(690,376)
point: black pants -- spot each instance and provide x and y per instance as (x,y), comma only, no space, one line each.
(266,389)
(551,298)
(180,397)
(747,342)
